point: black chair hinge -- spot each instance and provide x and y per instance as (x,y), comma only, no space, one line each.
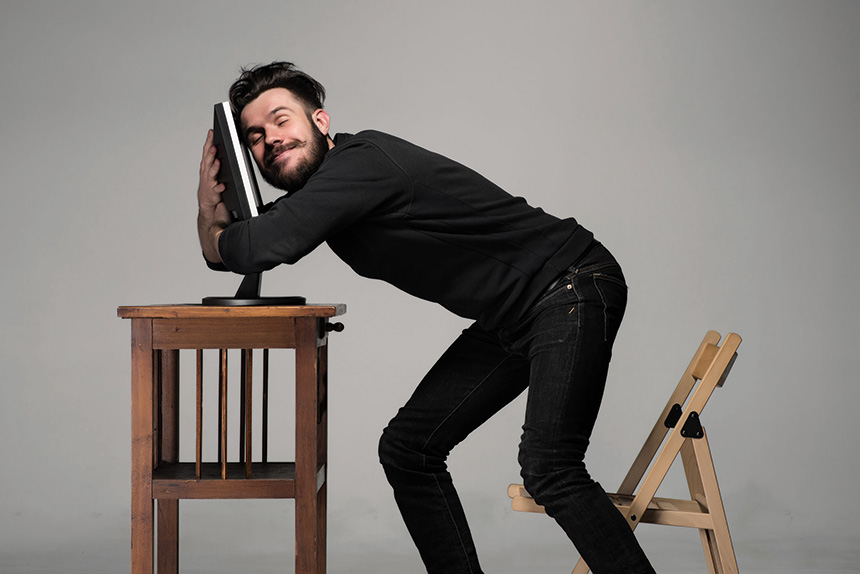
(693,427)
(673,417)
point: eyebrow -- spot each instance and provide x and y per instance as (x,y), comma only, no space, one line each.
(255,129)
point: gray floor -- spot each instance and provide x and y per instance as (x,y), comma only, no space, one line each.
(787,556)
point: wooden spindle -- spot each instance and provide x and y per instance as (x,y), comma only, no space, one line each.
(198,458)
(248,374)
(168,414)
(265,421)
(222,425)
(156,408)
(243,383)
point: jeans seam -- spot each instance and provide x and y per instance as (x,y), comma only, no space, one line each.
(456,408)
(572,355)
(454,522)
(610,278)
(603,301)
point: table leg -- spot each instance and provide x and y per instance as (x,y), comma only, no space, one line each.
(310,537)
(168,536)
(168,439)
(322,452)
(142,397)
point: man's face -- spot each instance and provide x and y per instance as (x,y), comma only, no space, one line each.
(287,143)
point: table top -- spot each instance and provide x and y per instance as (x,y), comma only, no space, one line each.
(198,311)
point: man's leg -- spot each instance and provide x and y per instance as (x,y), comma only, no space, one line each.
(568,338)
(472,380)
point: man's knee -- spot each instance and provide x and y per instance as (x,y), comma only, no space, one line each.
(534,471)
(404,450)
(397,449)
(546,474)
(392,451)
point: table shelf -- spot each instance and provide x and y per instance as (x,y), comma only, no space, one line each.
(179,481)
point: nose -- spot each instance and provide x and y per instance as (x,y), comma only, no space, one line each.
(273,137)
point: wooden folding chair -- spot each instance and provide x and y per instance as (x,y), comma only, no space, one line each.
(704,510)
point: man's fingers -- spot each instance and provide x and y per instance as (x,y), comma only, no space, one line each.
(208,153)
(208,144)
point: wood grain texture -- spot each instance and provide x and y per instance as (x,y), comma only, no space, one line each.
(178,481)
(198,452)
(225,333)
(168,510)
(143,399)
(307,453)
(211,312)
(168,537)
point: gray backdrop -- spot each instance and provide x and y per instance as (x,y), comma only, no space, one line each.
(715,148)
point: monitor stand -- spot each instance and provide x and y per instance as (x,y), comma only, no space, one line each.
(249,295)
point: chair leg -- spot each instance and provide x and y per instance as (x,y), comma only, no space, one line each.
(697,492)
(712,552)
(722,540)
(581,567)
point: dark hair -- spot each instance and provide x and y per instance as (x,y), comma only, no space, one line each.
(257,79)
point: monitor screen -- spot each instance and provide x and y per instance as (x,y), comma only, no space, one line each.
(241,193)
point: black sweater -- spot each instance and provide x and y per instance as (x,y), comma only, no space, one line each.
(425,224)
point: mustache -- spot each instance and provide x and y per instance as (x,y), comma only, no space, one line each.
(271,152)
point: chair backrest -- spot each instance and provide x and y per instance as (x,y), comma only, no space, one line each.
(709,367)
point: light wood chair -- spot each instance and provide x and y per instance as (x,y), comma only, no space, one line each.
(681,422)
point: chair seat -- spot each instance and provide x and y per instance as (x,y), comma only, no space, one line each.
(666,511)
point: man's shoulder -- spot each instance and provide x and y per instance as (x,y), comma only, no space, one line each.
(372,137)
(375,146)
(368,152)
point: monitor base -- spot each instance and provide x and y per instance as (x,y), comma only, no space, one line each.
(252,302)
(248,295)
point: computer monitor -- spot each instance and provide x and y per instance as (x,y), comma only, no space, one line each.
(242,197)
(241,193)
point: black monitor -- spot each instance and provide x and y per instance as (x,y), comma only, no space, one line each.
(242,197)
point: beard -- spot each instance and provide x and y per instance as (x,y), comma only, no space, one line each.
(294,180)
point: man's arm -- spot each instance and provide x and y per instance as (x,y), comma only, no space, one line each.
(212,214)
(357,181)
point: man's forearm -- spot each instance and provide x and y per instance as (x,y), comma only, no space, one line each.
(208,231)
(212,214)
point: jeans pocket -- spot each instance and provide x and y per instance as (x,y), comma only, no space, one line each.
(613,276)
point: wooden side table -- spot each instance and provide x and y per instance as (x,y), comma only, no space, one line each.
(157,335)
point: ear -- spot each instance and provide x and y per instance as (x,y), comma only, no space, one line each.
(321,119)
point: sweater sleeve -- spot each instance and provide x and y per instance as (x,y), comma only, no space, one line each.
(356,181)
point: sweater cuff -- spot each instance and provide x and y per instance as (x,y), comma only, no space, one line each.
(214,266)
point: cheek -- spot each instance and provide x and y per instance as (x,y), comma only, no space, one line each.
(257,154)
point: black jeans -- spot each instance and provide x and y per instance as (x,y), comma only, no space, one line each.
(560,351)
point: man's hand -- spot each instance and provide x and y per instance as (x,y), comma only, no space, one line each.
(212,215)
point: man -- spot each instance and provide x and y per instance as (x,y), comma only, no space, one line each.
(547,300)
